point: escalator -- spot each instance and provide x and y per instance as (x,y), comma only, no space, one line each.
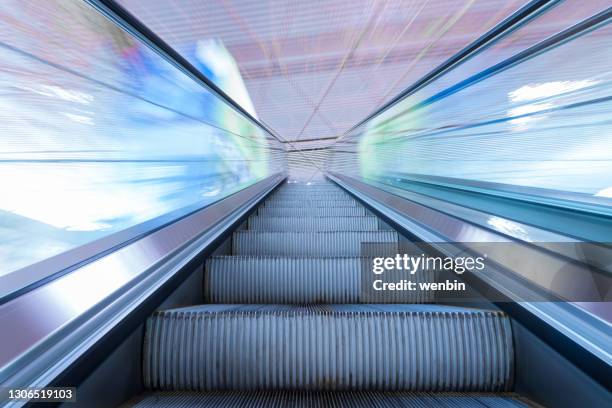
(284,322)
(154,253)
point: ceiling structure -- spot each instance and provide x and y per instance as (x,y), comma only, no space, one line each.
(315,68)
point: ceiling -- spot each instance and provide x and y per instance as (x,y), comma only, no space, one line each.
(314,68)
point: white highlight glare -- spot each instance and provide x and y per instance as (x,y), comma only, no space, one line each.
(212,193)
(86,120)
(509,228)
(536,91)
(606,192)
(81,198)
(525,109)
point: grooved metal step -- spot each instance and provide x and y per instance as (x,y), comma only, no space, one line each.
(313,223)
(328,347)
(310,190)
(331,190)
(313,399)
(308,199)
(320,190)
(331,193)
(313,191)
(313,244)
(314,186)
(298,199)
(238,279)
(311,203)
(312,211)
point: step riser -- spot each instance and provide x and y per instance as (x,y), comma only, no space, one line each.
(289,224)
(312,187)
(311,191)
(310,204)
(334,193)
(332,190)
(311,244)
(310,197)
(259,351)
(300,281)
(312,212)
(323,196)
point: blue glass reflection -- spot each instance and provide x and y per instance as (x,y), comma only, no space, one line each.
(101,134)
(542,124)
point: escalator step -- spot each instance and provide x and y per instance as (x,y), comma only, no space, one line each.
(237,279)
(328,347)
(336,211)
(310,191)
(311,187)
(335,192)
(313,223)
(310,203)
(313,191)
(324,194)
(312,399)
(314,244)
